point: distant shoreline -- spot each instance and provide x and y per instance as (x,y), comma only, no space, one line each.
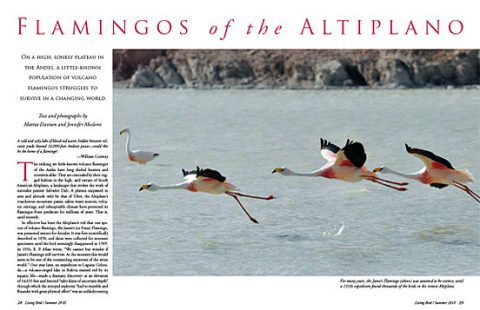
(296,69)
(126,84)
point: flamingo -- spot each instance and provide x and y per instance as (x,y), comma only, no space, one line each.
(438,172)
(346,164)
(207,181)
(137,156)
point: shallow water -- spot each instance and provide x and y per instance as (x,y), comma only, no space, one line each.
(245,134)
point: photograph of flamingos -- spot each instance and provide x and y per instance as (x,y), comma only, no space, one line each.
(296,162)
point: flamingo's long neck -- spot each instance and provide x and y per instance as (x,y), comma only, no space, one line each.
(127,144)
(303,174)
(155,187)
(412,176)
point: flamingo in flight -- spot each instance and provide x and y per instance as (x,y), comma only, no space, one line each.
(438,172)
(207,181)
(137,156)
(345,164)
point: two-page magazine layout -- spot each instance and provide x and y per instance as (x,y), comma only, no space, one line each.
(214,155)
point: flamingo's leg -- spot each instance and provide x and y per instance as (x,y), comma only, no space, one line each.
(243,208)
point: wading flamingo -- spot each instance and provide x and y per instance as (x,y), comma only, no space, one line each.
(438,172)
(137,156)
(346,164)
(207,181)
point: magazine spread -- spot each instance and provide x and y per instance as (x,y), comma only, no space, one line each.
(211,155)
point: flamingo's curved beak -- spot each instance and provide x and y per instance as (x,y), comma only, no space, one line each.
(144,186)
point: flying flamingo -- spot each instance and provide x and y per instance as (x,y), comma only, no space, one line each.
(137,156)
(207,181)
(438,172)
(345,164)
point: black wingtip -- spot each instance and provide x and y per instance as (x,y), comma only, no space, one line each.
(409,149)
(325,144)
(349,142)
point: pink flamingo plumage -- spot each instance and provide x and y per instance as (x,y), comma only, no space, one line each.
(346,164)
(438,172)
(207,181)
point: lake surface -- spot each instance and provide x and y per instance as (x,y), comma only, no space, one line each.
(245,134)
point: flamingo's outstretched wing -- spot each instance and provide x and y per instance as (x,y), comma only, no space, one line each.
(430,160)
(207,173)
(328,150)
